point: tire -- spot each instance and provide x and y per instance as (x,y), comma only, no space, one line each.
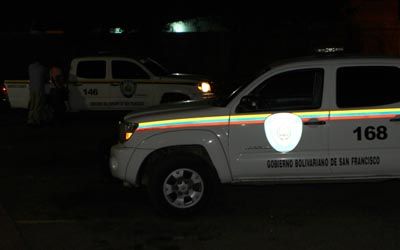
(181,185)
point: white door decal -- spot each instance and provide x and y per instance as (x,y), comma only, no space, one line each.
(283,131)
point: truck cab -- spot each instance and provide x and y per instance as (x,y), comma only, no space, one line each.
(306,120)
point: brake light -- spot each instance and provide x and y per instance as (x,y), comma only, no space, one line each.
(4,89)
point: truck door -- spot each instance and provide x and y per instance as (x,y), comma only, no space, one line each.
(90,90)
(131,86)
(365,125)
(297,145)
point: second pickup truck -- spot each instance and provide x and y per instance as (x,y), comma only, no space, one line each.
(119,83)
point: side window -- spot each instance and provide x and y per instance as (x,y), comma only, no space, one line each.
(91,69)
(365,86)
(293,90)
(127,70)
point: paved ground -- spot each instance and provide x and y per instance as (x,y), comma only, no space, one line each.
(57,193)
(10,237)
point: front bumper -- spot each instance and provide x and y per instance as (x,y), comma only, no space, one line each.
(125,162)
(206,96)
(119,159)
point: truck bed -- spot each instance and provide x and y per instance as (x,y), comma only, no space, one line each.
(18,93)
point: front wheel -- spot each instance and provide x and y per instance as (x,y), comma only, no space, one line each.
(181,185)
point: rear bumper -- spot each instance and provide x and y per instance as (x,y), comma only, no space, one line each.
(4,103)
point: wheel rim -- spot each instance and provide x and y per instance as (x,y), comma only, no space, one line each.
(183,188)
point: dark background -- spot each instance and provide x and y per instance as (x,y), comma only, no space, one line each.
(249,36)
(56,191)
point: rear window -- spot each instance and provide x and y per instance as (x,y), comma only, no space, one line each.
(91,69)
(365,86)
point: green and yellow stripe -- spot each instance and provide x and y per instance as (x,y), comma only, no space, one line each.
(362,114)
(185,122)
(211,121)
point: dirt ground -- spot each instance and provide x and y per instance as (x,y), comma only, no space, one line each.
(55,186)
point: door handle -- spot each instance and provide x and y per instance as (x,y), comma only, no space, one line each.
(314,122)
(77,84)
(395,119)
(115,83)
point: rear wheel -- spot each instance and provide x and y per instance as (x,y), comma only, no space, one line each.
(181,185)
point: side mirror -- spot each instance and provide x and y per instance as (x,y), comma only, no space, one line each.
(73,78)
(248,103)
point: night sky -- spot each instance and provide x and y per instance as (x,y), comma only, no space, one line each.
(258,33)
(149,16)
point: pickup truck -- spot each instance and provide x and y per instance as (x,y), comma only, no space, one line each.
(119,83)
(307,120)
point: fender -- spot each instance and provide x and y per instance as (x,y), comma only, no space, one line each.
(205,138)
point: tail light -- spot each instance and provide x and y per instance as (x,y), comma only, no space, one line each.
(3,92)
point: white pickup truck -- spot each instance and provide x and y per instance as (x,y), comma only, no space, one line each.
(332,119)
(119,83)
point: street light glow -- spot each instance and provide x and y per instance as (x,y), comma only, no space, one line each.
(178,27)
(117,30)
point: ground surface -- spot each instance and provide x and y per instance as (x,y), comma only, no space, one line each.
(56,189)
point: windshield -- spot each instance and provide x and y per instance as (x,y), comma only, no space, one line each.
(154,67)
(224,99)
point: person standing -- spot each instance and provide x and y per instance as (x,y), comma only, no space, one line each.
(59,94)
(38,77)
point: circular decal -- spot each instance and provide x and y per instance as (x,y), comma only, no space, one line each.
(128,88)
(283,131)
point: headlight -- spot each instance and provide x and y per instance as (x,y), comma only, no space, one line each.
(204,87)
(126,130)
